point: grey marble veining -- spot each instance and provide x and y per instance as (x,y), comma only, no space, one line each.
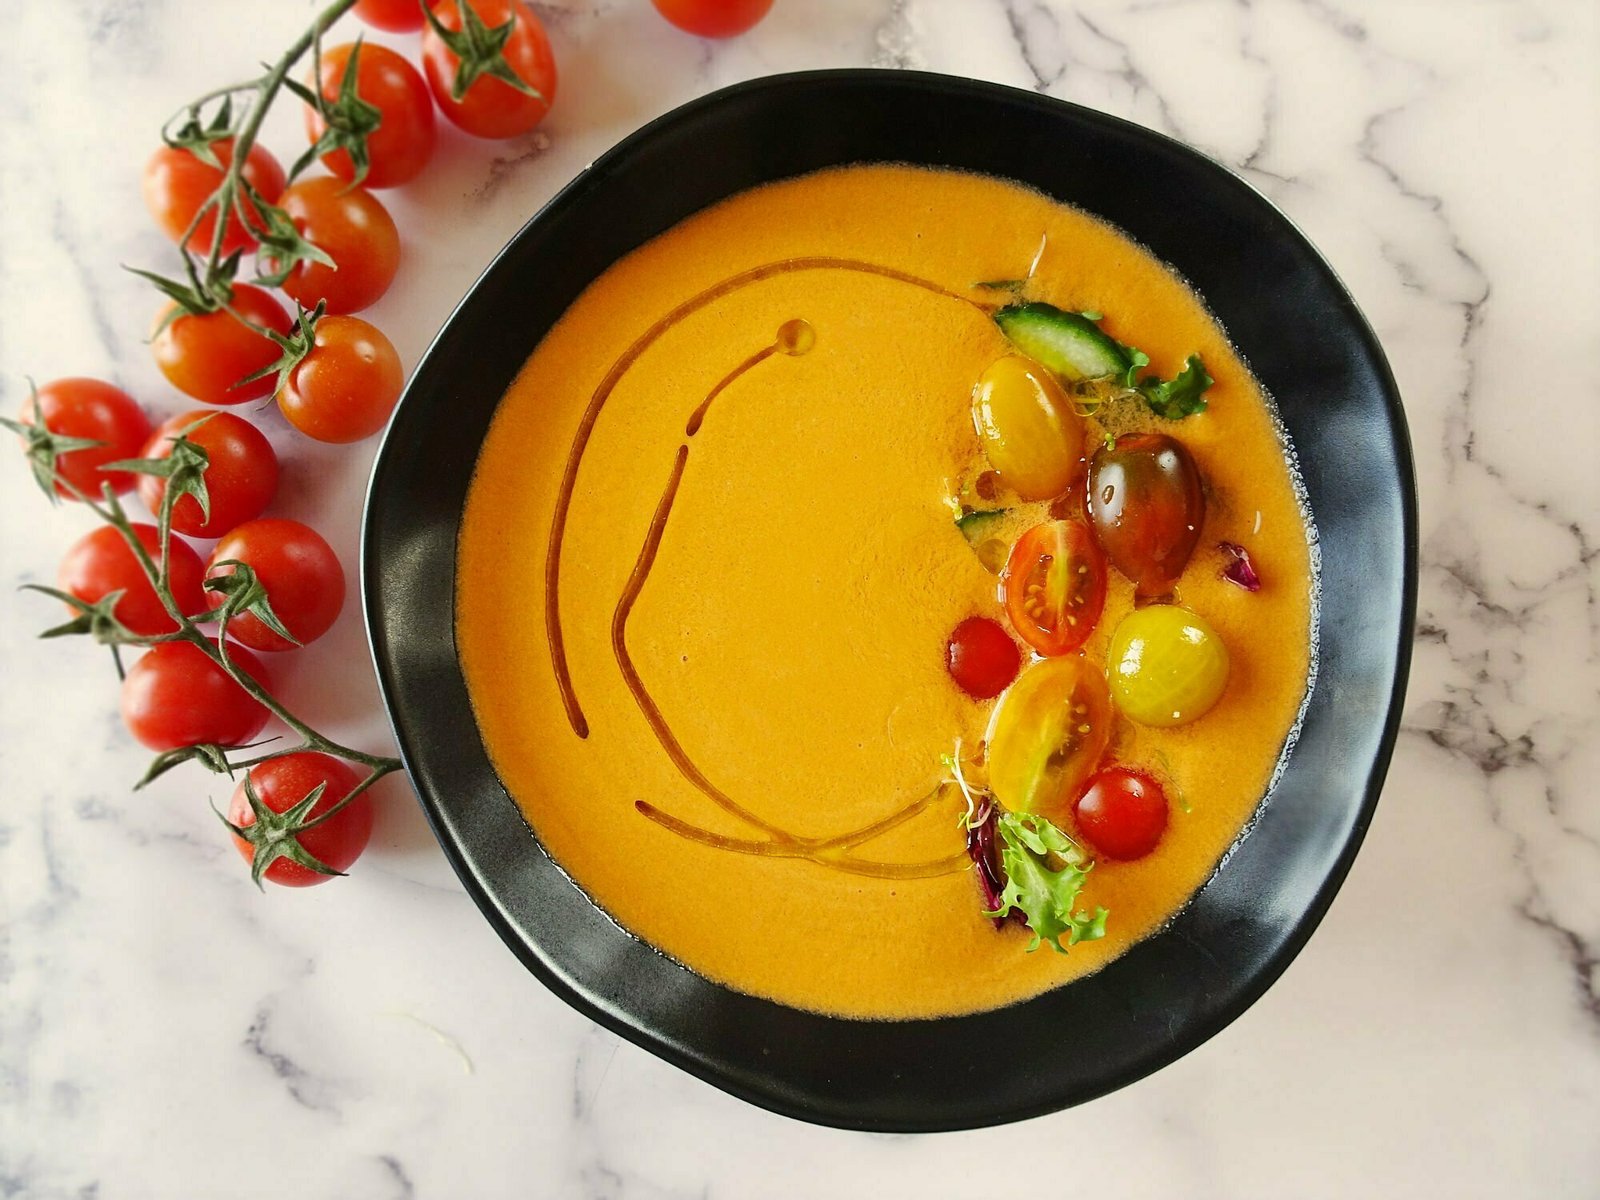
(161,1023)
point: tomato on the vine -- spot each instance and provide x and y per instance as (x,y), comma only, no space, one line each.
(352,228)
(490,107)
(1055,586)
(302,575)
(1121,814)
(95,411)
(175,695)
(714,18)
(280,784)
(177,183)
(241,477)
(101,562)
(346,387)
(206,355)
(393,16)
(399,148)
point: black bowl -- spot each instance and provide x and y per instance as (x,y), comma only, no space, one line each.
(1297,327)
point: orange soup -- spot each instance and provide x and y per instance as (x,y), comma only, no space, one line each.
(727,519)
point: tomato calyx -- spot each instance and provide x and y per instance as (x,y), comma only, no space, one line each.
(244,595)
(348,120)
(42,447)
(285,248)
(274,835)
(184,469)
(480,51)
(296,344)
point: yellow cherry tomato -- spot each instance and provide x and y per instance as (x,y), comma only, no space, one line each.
(1168,666)
(1047,734)
(1029,431)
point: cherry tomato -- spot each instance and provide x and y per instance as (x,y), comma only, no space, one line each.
(1168,666)
(1146,504)
(1121,814)
(981,658)
(713,18)
(302,575)
(1030,433)
(88,408)
(176,696)
(241,477)
(101,562)
(177,183)
(1055,586)
(345,389)
(1047,734)
(352,228)
(400,147)
(492,108)
(280,784)
(395,16)
(206,356)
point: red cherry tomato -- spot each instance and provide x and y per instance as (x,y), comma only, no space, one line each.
(345,389)
(713,18)
(241,477)
(101,562)
(982,658)
(302,575)
(492,108)
(176,696)
(1055,586)
(280,784)
(88,408)
(400,147)
(177,183)
(206,356)
(394,16)
(1122,814)
(352,228)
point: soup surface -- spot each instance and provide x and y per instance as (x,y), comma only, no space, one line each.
(733,458)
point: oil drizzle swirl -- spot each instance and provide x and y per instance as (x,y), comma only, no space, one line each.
(795,337)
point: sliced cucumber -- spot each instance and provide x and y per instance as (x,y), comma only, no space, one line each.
(1068,343)
(978,527)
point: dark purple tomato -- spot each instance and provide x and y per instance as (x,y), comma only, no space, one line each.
(1146,506)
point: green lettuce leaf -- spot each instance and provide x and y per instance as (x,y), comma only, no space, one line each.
(1045,894)
(1181,396)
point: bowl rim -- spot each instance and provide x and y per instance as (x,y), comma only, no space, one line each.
(846,1116)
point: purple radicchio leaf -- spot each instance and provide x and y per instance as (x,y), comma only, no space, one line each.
(985,856)
(1239,570)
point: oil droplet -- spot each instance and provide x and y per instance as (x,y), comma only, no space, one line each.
(796,337)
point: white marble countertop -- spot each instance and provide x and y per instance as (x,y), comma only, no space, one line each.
(167,1031)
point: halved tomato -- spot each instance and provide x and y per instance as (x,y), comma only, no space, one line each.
(1055,586)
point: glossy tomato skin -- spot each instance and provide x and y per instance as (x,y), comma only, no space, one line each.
(1121,814)
(714,18)
(393,16)
(241,477)
(205,356)
(492,108)
(177,183)
(981,658)
(280,784)
(101,562)
(1146,503)
(1047,734)
(1054,584)
(89,408)
(302,575)
(354,229)
(345,389)
(176,696)
(401,146)
(1028,429)
(1167,665)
